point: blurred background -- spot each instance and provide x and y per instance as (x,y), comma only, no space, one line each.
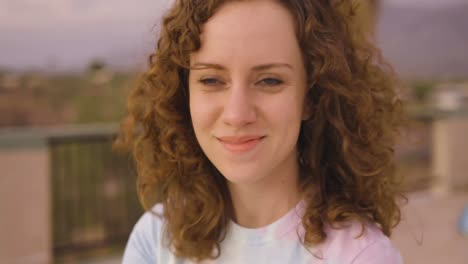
(66,67)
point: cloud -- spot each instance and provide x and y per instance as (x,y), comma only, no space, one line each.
(424,3)
(72,32)
(31,14)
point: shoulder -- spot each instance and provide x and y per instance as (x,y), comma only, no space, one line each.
(145,237)
(355,245)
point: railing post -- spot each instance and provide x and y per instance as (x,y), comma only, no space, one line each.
(25,206)
(450,153)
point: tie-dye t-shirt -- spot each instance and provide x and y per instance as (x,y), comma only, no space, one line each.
(279,242)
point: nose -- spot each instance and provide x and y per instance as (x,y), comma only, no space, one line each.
(239,108)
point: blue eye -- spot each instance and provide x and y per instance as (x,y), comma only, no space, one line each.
(271,81)
(210,81)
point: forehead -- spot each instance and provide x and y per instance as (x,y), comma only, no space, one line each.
(254,30)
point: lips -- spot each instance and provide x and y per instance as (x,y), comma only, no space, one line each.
(240,144)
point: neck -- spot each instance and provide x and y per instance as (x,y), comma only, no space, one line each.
(261,203)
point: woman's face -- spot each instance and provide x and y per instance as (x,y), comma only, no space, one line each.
(247,87)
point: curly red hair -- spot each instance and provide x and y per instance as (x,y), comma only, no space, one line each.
(346,147)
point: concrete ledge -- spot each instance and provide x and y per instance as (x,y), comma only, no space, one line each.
(25,188)
(25,205)
(39,137)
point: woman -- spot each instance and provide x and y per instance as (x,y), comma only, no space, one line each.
(266,133)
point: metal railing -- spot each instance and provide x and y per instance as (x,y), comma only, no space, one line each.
(94,197)
(93,189)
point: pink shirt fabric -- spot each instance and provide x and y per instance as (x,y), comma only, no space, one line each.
(279,242)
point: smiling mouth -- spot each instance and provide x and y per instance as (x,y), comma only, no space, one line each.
(240,144)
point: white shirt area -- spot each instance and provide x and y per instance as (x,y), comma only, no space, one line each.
(278,242)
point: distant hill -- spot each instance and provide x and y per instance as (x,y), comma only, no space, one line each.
(425,42)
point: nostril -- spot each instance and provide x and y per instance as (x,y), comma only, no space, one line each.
(238,113)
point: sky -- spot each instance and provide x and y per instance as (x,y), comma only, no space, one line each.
(426,3)
(68,34)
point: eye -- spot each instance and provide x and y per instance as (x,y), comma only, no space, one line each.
(210,81)
(270,81)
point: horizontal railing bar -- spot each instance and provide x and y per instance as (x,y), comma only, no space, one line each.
(41,136)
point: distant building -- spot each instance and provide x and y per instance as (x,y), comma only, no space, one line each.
(10,81)
(452,96)
(35,80)
(102,76)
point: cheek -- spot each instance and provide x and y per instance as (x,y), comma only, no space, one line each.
(286,117)
(202,112)
(286,110)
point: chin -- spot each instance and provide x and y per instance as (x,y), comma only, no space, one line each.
(238,175)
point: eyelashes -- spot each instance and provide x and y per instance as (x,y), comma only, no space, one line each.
(210,82)
(271,81)
(262,82)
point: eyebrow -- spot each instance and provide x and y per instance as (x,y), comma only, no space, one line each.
(261,67)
